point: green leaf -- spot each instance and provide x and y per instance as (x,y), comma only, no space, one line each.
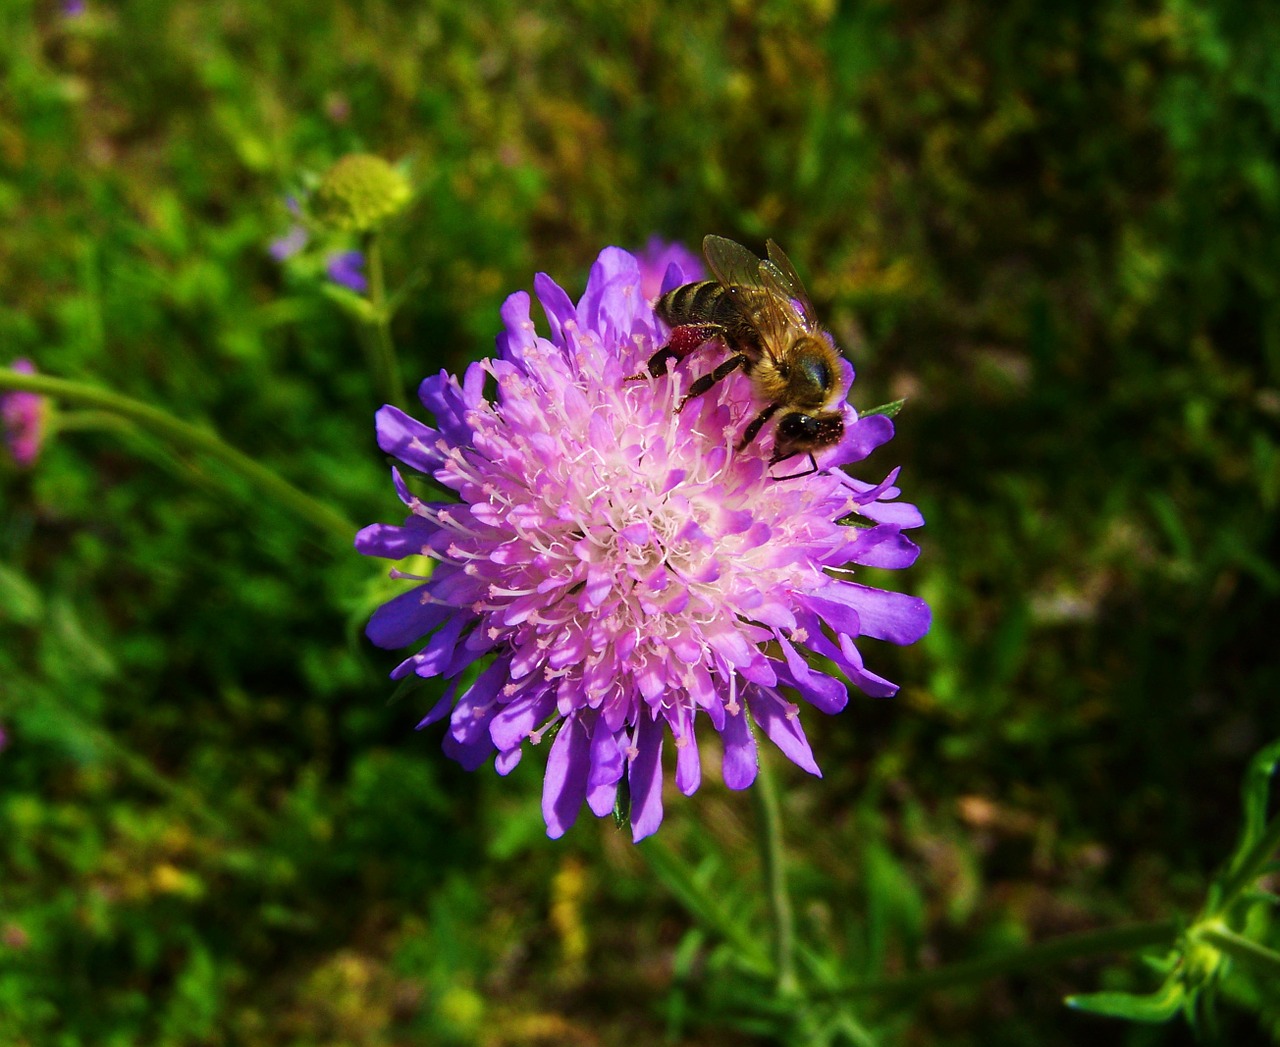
(888,410)
(856,520)
(1158,1006)
(20,601)
(411,684)
(622,804)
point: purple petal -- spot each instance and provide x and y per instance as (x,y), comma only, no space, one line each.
(518,332)
(836,613)
(395,543)
(607,767)
(895,617)
(518,718)
(565,785)
(819,690)
(408,439)
(688,764)
(404,619)
(780,721)
(645,778)
(476,708)
(901,514)
(556,304)
(881,546)
(471,753)
(741,761)
(860,439)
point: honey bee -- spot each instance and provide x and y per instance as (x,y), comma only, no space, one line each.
(758,309)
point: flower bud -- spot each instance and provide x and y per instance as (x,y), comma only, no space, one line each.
(359,193)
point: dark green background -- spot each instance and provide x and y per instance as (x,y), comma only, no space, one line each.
(1053,227)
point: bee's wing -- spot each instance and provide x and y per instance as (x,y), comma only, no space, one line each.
(770,310)
(780,277)
(732,264)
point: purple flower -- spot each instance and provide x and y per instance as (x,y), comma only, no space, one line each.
(657,258)
(347,268)
(4,739)
(615,571)
(285,247)
(73,8)
(23,417)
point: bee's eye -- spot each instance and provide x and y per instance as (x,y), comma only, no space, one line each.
(820,373)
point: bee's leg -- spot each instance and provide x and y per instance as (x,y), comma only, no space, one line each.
(753,430)
(684,340)
(719,374)
(813,468)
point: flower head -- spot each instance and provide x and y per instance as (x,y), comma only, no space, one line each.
(656,260)
(615,572)
(24,418)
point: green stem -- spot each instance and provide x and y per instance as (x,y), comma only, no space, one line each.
(187,437)
(90,421)
(1250,953)
(773,861)
(1045,954)
(386,367)
(1251,865)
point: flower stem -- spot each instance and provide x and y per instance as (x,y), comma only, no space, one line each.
(386,366)
(1250,865)
(1043,954)
(1249,953)
(773,861)
(187,437)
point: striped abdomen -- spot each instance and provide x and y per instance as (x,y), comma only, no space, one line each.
(710,303)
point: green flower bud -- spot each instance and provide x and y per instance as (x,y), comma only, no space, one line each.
(359,193)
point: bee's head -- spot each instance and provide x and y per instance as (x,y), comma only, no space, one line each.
(800,433)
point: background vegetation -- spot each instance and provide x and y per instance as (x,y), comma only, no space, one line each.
(1056,228)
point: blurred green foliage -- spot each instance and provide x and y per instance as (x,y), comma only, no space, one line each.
(1055,229)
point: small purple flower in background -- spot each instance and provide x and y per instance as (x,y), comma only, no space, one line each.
(73,8)
(347,268)
(4,739)
(616,572)
(657,257)
(285,247)
(24,417)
